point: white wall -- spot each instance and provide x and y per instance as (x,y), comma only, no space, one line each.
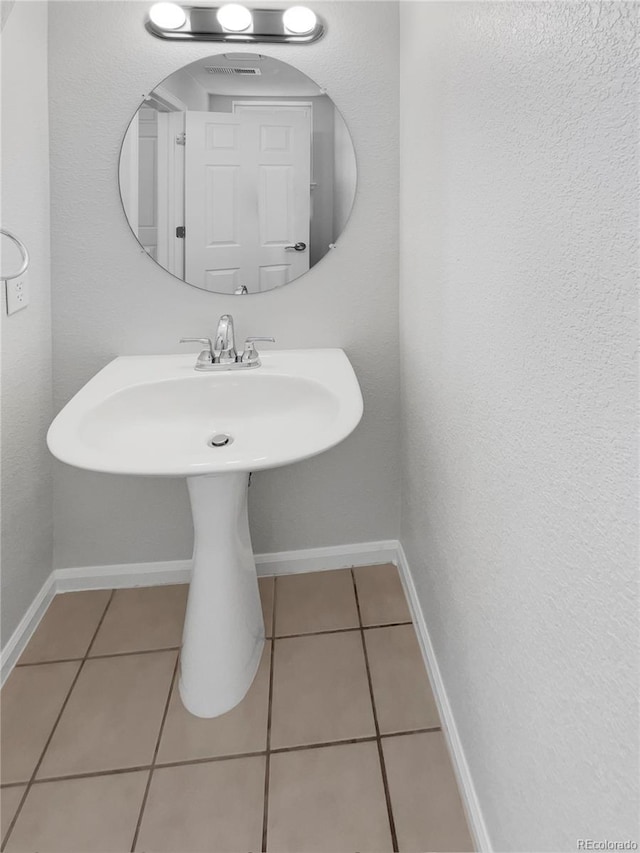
(110,299)
(26,336)
(519,190)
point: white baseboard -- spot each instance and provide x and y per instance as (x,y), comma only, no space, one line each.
(27,625)
(282,563)
(126,575)
(461,768)
(122,575)
(323,559)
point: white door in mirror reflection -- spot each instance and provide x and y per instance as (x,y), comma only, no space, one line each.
(247,198)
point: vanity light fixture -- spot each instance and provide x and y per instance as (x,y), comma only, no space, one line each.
(299,20)
(168,16)
(234,22)
(234,17)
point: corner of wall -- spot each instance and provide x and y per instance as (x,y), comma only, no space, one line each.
(27,536)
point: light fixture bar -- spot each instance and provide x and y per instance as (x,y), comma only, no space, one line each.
(202,24)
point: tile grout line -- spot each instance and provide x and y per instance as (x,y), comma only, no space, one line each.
(344,742)
(267,762)
(152,767)
(425,731)
(91,774)
(55,724)
(177,648)
(378,740)
(342,630)
(100,657)
(210,759)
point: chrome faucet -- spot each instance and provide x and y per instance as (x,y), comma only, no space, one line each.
(224,348)
(222,354)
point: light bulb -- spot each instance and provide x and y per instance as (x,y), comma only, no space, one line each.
(299,20)
(167,16)
(234,17)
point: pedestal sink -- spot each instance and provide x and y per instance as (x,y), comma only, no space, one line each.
(156,416)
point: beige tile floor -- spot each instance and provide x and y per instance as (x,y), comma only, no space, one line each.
(336,747)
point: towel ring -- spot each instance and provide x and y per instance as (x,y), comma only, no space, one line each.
(23,253)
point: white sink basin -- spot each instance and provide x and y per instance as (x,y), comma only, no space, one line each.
(155,416)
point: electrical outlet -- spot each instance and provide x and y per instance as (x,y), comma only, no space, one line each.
(17,293)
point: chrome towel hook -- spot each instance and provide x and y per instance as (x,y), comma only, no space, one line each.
(23,253)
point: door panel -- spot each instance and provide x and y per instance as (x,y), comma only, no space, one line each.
(221,206)
(222,281)
(247,197)
(273,276)
(213,238)
(276,205)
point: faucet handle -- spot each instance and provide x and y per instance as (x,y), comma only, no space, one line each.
(206,356)
(250,353)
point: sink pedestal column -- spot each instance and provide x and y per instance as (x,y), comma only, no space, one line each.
(224,629)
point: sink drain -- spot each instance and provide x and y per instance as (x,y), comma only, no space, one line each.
(220,440)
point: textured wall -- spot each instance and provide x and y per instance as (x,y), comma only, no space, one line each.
(110,299)
(519,190)
(26,336)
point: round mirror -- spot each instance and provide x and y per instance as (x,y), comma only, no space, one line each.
(237,173)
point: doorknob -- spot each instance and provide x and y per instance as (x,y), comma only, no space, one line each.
(299,247)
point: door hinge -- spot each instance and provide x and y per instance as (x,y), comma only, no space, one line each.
(181,138)
(180,232)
